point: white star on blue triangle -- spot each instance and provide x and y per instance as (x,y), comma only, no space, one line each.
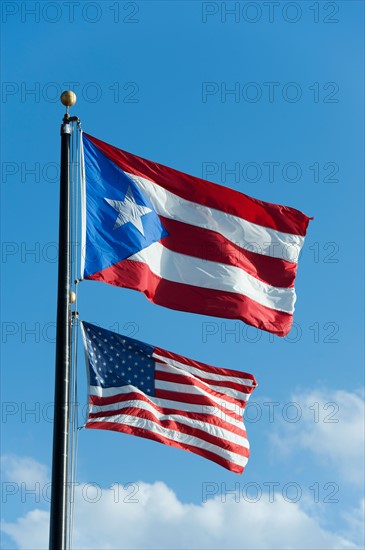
(120,220)
(129,211)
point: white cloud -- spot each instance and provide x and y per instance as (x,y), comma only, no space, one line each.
(23,470)
(331,428)
(159,520)
(29,531)
(355,522)
(149,516)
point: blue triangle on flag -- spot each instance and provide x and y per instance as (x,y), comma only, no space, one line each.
(120,220)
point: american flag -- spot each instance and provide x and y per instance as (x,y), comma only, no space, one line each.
(143,390)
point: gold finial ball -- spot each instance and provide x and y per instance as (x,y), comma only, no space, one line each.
(68,98)
(72,297)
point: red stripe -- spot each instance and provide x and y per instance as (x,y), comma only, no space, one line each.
(140,432)
(197,400)
(138,276)
(210,381)
(176,426)
(189,381)
(213,419)
(194,382)
(192,399)
(209,245)
(204,367)
(196,418)
(170,396)
(282,218)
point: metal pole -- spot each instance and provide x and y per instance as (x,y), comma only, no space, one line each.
(59,502)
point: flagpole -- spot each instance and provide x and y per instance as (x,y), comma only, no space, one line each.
(60,460)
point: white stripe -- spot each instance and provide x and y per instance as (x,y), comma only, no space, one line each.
(203,373)
(248,235)
(180,268)
(231,392)
(183,407)
(225,390)
(171,404)
(172,435)
(187,389)
(211,429)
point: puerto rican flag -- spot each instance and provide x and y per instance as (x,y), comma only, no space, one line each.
(186,243)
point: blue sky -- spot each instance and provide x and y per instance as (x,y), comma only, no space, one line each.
(274,93)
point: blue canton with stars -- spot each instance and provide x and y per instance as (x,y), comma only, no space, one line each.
(116,360)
